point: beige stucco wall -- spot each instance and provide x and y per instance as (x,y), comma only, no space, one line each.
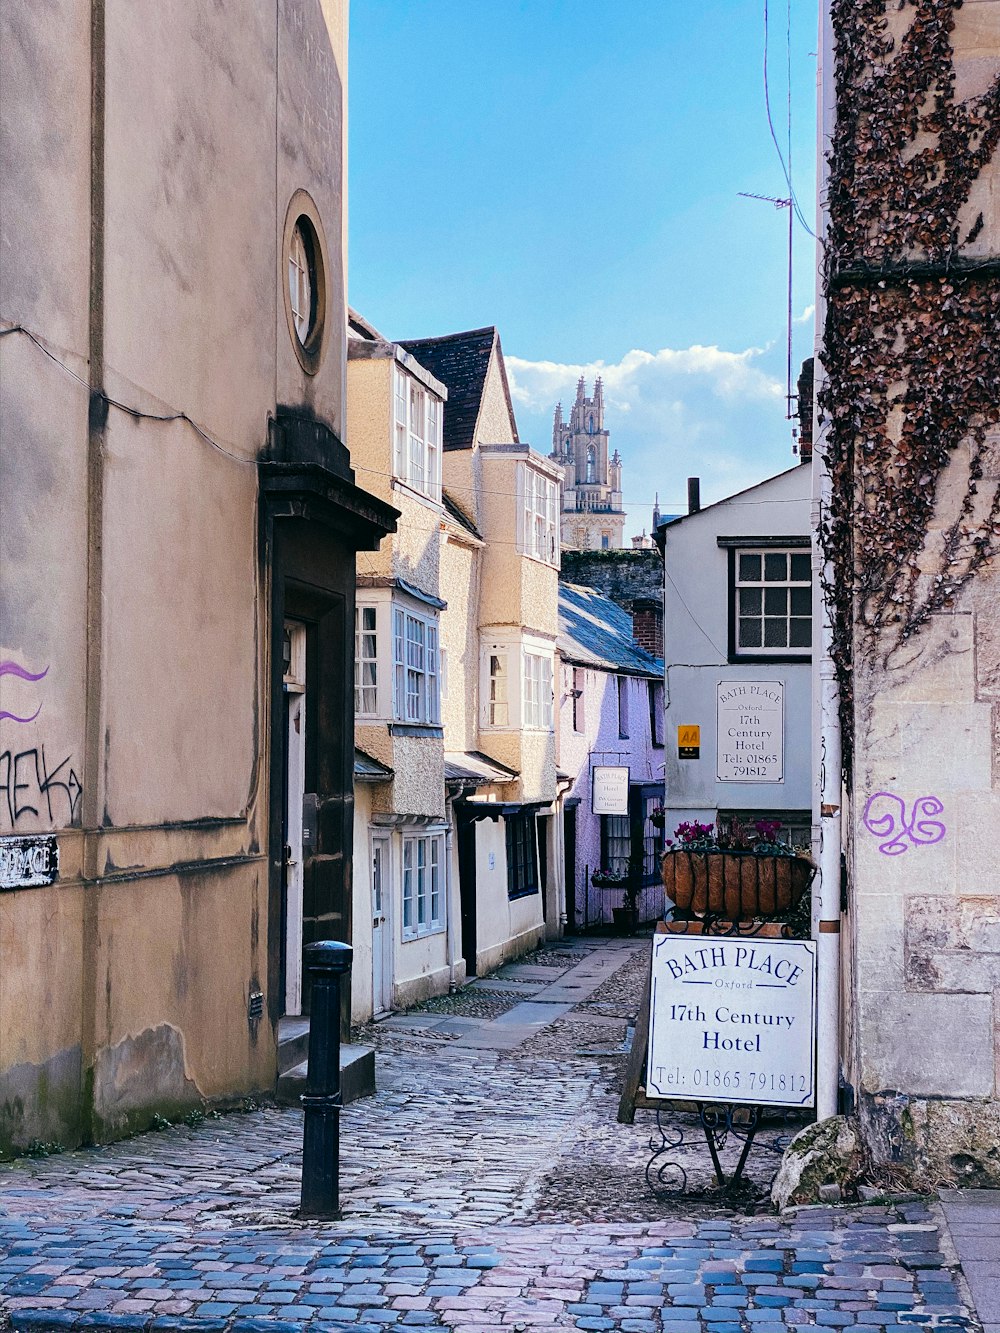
(504,928)
(461,561)
(154,690)
(517,590)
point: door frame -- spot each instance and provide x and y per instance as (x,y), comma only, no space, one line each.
(466,836)
(294,685)
(382,998)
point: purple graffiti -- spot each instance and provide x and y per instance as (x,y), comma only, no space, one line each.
(22,673)
(918,828)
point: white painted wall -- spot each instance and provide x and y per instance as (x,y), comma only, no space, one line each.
(696,652)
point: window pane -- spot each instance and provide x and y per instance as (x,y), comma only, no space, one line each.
(750,632)
(801,601)
(749,568)
(498,710)
(776,633)
(801,571)
(435,915)
(776,601)
(775,567)
(750,601)
(800,635)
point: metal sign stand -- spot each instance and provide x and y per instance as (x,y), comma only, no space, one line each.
(717,1121)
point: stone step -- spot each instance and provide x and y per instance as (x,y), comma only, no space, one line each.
(293,1042)
(357,1077)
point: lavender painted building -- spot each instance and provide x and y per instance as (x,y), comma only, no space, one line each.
(610,715)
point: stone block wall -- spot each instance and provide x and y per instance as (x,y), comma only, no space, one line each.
(621,575)
(924,903)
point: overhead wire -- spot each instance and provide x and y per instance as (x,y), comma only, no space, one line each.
(785,165)
(172,415)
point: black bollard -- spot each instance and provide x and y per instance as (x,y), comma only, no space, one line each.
(327,961)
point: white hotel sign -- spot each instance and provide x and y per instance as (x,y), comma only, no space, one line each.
(751,731)
(732,1020)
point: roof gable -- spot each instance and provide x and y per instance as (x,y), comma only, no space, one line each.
(461,361)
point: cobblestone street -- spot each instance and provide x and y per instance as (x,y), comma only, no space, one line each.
(486,1186)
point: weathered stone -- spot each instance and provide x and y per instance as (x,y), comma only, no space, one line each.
(933,1045)
(934,1140)
(825,1154)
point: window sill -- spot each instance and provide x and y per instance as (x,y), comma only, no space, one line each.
(521,893)
(417,936)
(768,658)
(539,559)
(428,501)
(434,730)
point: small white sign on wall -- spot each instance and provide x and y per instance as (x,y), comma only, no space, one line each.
(610,790)
(751,731)
(732,1020)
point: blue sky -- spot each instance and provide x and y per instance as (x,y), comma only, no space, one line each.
(570,171)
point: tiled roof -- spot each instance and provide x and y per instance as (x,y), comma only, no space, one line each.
(594,631)
(461,361)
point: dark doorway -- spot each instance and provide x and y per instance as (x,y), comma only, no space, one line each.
(467,887)
(569,850)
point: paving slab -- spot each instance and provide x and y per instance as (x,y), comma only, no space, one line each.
(972,1218)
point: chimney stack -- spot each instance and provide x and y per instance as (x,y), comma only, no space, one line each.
(805,410)
(647,624)
(694,494)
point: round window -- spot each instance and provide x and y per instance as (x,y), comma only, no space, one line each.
(302,279)
(303,275)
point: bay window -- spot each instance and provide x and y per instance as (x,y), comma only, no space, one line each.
(538,519)
(417,427)
(537,691)
(365,661)
(397,666)
(516,684)
(415,667)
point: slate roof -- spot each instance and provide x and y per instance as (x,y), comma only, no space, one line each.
(460,361)
(367,769)
(475,769)
(594,631)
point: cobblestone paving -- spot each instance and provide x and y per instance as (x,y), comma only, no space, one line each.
(483,1190)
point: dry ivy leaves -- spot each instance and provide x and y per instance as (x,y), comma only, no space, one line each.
(912,364)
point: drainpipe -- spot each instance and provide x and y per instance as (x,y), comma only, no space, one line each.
(827,777)
(454,908)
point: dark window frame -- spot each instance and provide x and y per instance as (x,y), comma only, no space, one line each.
(732,547)
(522,855)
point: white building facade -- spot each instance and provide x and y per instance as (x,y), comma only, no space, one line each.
(737,649)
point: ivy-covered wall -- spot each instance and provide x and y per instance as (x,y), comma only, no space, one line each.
(911,404)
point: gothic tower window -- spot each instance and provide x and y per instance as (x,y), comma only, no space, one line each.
(590,424)
(591,461)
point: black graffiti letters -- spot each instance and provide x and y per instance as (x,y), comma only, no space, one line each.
(30,788)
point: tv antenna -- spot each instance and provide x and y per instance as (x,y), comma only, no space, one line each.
(783,203)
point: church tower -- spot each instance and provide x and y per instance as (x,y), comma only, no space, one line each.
(592,514)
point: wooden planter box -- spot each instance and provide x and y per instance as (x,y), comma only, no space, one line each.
(738,886)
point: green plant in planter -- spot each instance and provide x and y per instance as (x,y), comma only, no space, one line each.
(609,879)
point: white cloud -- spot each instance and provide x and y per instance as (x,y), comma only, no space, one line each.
(806,315)
(672,413)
